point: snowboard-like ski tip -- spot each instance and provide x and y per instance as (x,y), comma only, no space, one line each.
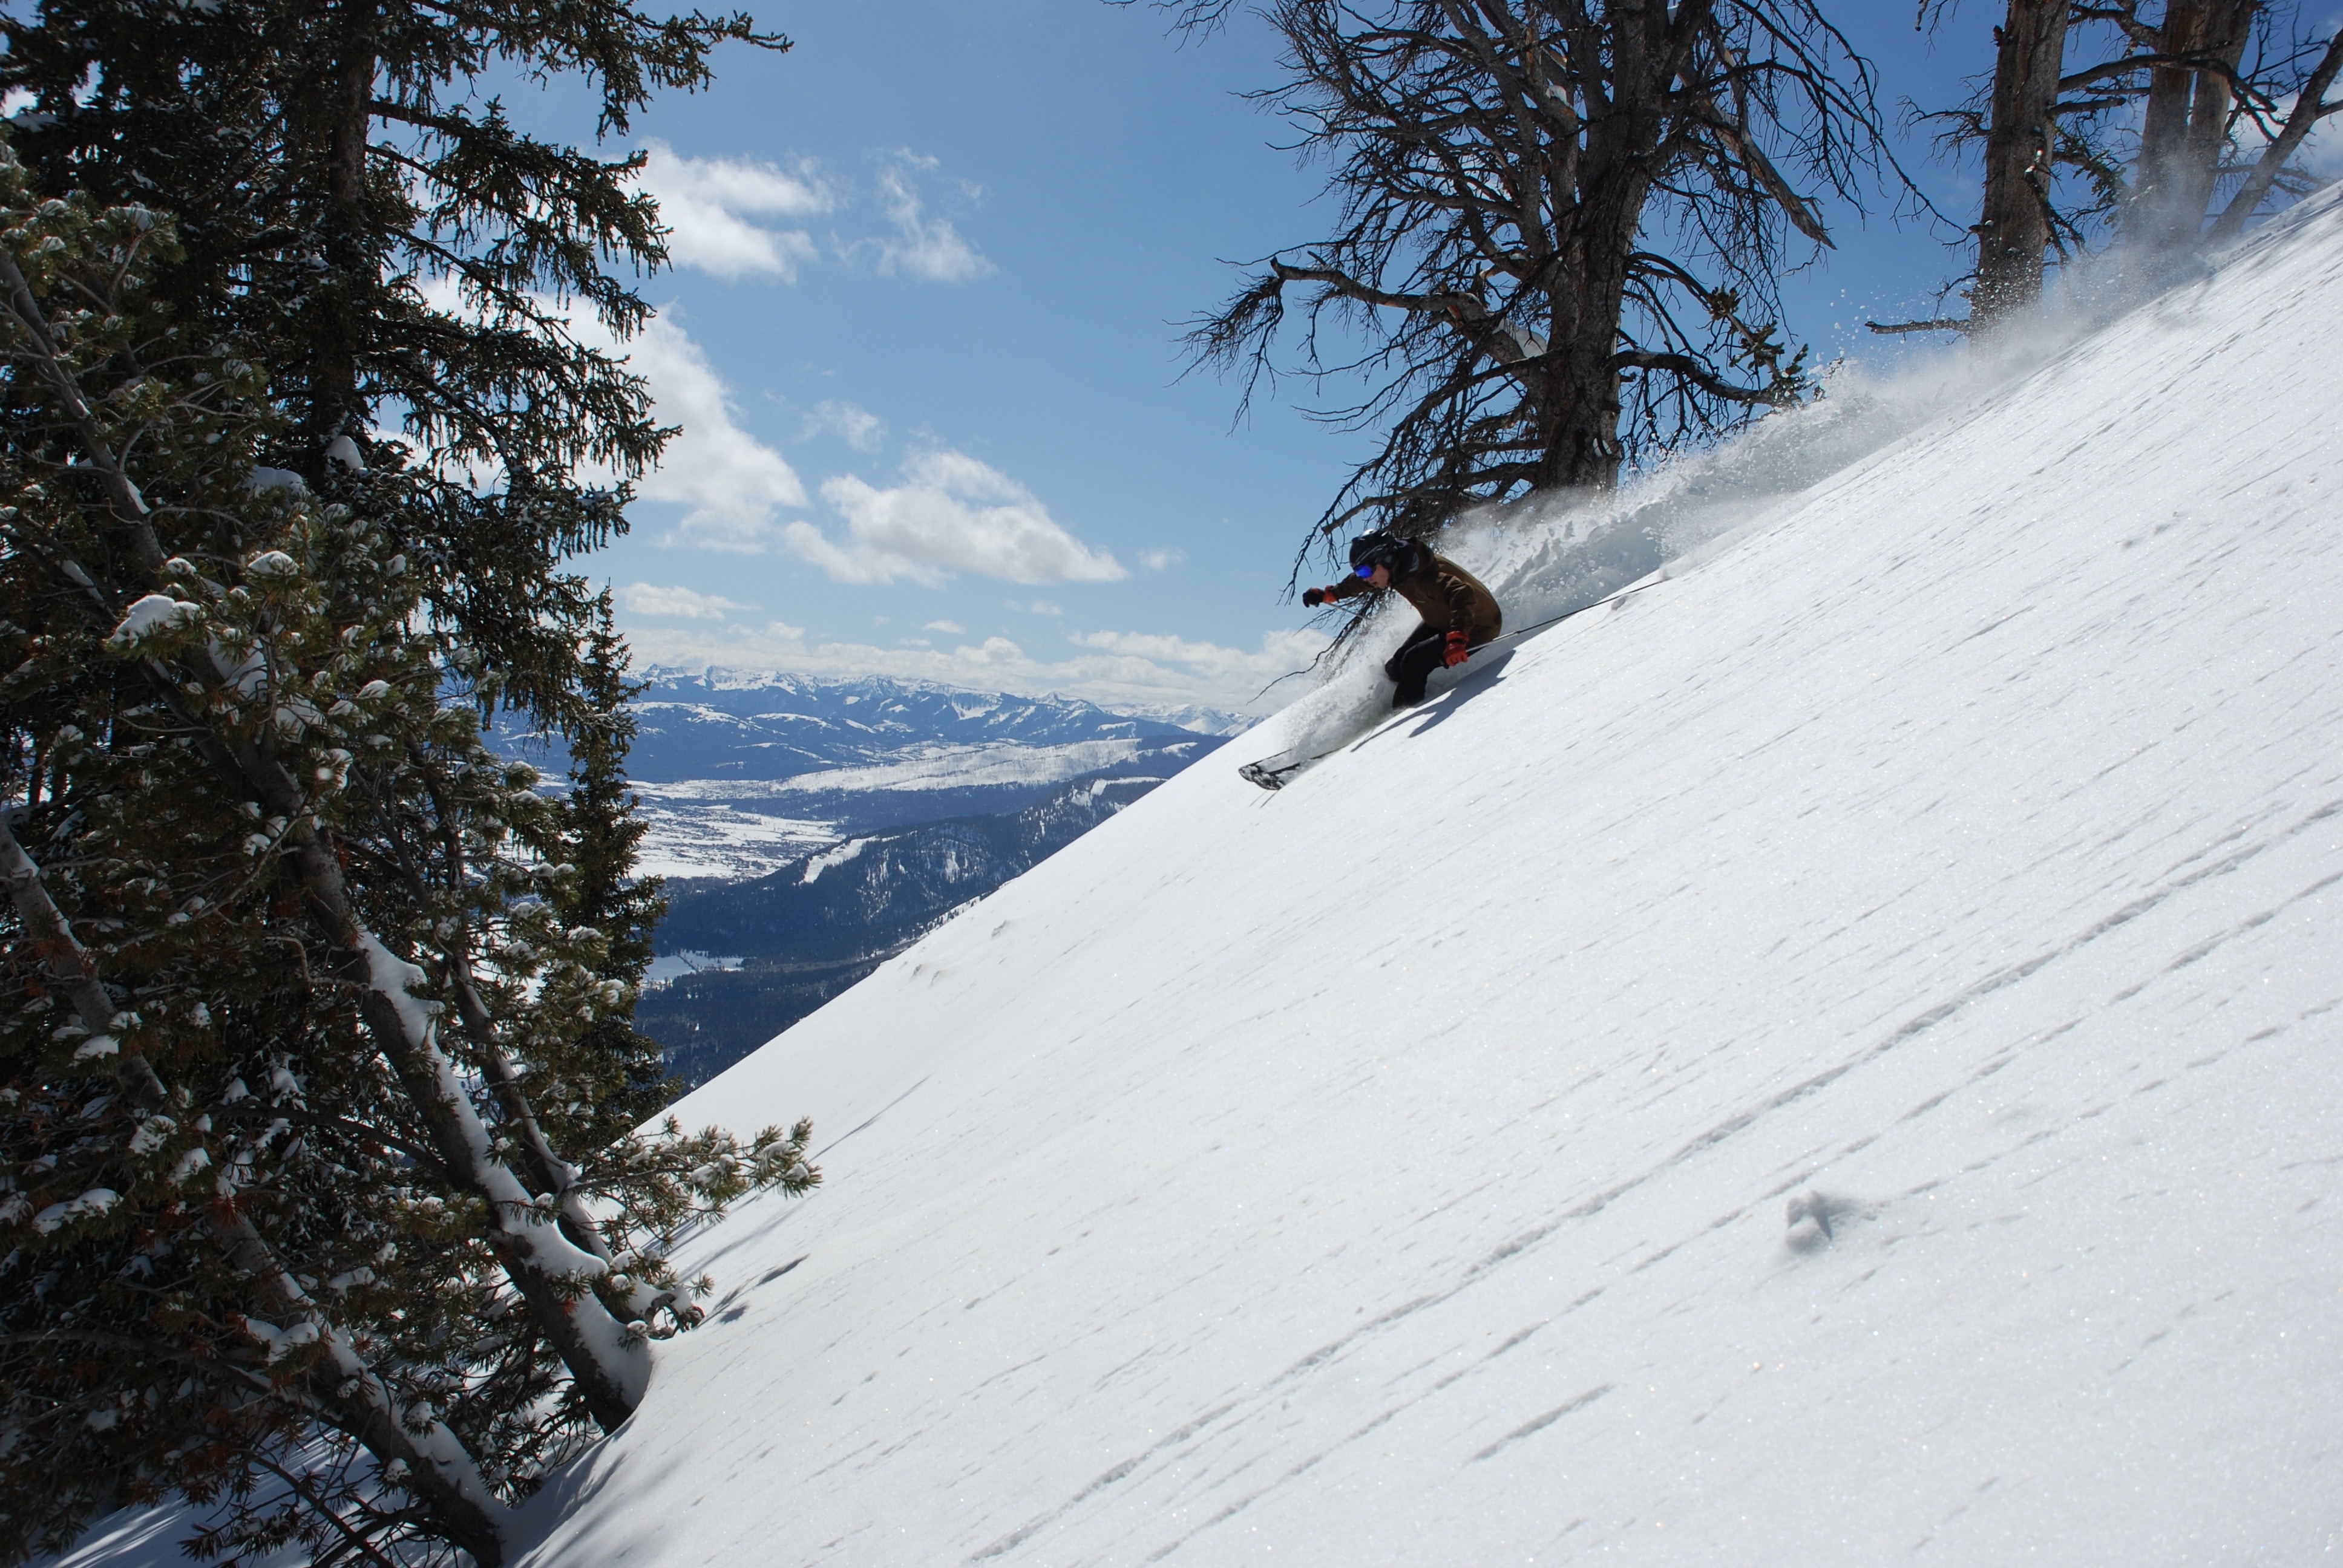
(1261,774)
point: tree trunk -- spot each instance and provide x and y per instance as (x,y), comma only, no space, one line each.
(2187,117)
(2014,230)
(1578,414)
(554,1277)
(2225,27)
(1579,411)
(337,335)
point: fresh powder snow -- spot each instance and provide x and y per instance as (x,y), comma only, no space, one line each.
(1836,1059)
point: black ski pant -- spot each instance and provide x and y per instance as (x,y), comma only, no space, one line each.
(1424,651)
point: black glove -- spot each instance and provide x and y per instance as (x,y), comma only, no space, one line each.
(1313,596)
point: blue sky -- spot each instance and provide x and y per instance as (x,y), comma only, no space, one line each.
(922,338)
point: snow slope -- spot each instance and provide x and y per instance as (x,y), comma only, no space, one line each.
(1416,1166)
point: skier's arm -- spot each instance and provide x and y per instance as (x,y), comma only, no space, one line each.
(1459,594)
(1349,588)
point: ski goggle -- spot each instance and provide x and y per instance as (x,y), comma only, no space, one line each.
(1367,571)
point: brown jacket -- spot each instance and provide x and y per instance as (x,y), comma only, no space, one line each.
(1449,597)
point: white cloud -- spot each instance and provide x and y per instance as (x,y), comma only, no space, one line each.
(703,201)
(1207,661)
(924,246)
(711,208)
(949,627)
(730,481)
(1162,560)
(952,514)
(677,603)
(856,426)
(1106,666)
(1037,607)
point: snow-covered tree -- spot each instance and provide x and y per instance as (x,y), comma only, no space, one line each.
(316,1083)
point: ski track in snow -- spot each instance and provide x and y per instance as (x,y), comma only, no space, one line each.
(1395,1169)
(1838,1060)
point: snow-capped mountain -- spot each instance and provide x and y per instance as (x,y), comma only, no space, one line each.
(742,725)
(742,773)
(753,784)
(1838,1058)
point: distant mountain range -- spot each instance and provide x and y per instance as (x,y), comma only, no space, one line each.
(742,773)
(811,829)
(806,933)
(720,724)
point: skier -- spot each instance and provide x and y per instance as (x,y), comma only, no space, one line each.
(1459,613)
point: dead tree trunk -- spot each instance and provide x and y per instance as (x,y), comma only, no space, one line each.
(2014,230)
(2310,107)
(1561,222)
(2186,121)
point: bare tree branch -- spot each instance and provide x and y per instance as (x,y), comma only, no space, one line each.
(2309,108)
(1559,227)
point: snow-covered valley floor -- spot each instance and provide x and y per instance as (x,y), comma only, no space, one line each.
(1838,1061)
(1418,1165)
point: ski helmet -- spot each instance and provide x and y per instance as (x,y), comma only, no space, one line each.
(1375,548)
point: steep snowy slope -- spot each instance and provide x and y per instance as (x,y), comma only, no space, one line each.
(1419,1165)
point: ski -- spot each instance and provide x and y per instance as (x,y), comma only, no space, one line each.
(1280,768)
(1269,777)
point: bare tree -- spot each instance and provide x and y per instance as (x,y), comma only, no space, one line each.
(2135,143)
(1561,226)
(2269,171)
(2211,77)
(2190,61)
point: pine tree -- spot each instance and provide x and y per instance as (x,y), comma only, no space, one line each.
(378,238)
(292,956)
(620,1079)
(179,1176)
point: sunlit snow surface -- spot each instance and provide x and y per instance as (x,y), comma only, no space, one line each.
(1396,1169)
(1401,1169)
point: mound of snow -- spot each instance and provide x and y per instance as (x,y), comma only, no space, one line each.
(1839,1056)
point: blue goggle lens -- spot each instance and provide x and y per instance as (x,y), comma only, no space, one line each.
(1367,571)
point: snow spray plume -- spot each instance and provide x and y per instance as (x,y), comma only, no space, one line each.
(1548,557)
